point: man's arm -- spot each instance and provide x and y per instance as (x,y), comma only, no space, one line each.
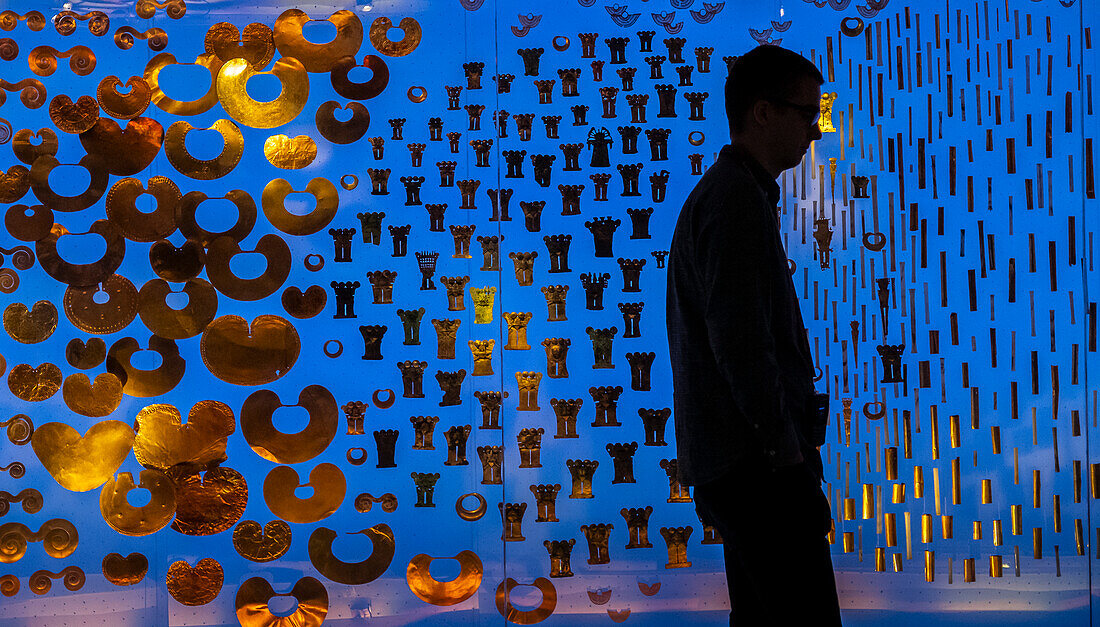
(734,271)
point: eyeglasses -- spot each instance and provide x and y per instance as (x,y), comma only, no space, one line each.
(812,113)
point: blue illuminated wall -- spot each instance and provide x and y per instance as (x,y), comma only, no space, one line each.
(948,308)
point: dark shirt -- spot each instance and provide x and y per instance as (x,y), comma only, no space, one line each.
(742,371)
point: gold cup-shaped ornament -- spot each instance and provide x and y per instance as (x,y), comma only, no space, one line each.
(483,298)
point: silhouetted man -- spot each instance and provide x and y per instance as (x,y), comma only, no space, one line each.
(747,420)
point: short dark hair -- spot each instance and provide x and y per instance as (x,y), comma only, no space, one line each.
(766,72)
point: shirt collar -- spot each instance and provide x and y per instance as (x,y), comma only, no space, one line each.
(767,183)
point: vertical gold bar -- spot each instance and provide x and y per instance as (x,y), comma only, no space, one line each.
(849,509)
(891,529)
(918,482)
(868,501)
(1076,481)
(987,491)
(996,431)
(891,463)
(955,438)
(897,562)
(899,493)
(936,488)
(977,530)
(1079,535)
(929,566)
(1037,541)
(880,559)
(1057,514)
(998,535)
(995,566)
(1015,466)
(908,440)
(956,483)
(947,526)
(934,419)
(1094,480)
(908,536)
(1017,519)
(848,539)
(926,528)
(1036,488)
(968,570)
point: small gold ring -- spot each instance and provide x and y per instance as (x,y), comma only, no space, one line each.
(421,94)
(471,514)
(349,181)
(314,266)
(357,460)
(333,354)
(561,47)
(694,140)
(380,404)
(851,31)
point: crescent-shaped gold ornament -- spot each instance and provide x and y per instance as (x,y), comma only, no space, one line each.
(526,617)
(408,42)
(255,593)
(262,544)
(273,202)
(233,93)
(175,148)
(138,521)
(444,593)
(210,61)
(259,431)
(329,487)
(290,41)
(352,573)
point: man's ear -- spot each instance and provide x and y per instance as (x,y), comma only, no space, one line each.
(759,112)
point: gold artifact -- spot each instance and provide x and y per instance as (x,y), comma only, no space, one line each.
(177,324)
(256,45)
(27,152)
(346,132)
(258,429)
(290,153)
(246,217)
(97,183)
(57,535)
(273,202)
(138,521)
(445,593)
(146,383)
(94,400)
(262,544)
(329,487)
(42,60)
(526,617)
(74,117)
(318,57)
(304,305)
(114,314)
(177,264)
(83,463)
(255,354)
(162,441)
(124,151)
(255,593)
(352,573)
(221,251)
(125,571)
(137,225)
(30,326)
(380,77)
(175,148)
(471,514)
(85,355)
(83,273)
(34,384)
(195,586)
(233,94)
(379,36)
(210,502)
(153,68)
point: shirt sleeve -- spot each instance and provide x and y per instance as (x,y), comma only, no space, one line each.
(735,272)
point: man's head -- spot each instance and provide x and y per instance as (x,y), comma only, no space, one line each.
(773,97)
